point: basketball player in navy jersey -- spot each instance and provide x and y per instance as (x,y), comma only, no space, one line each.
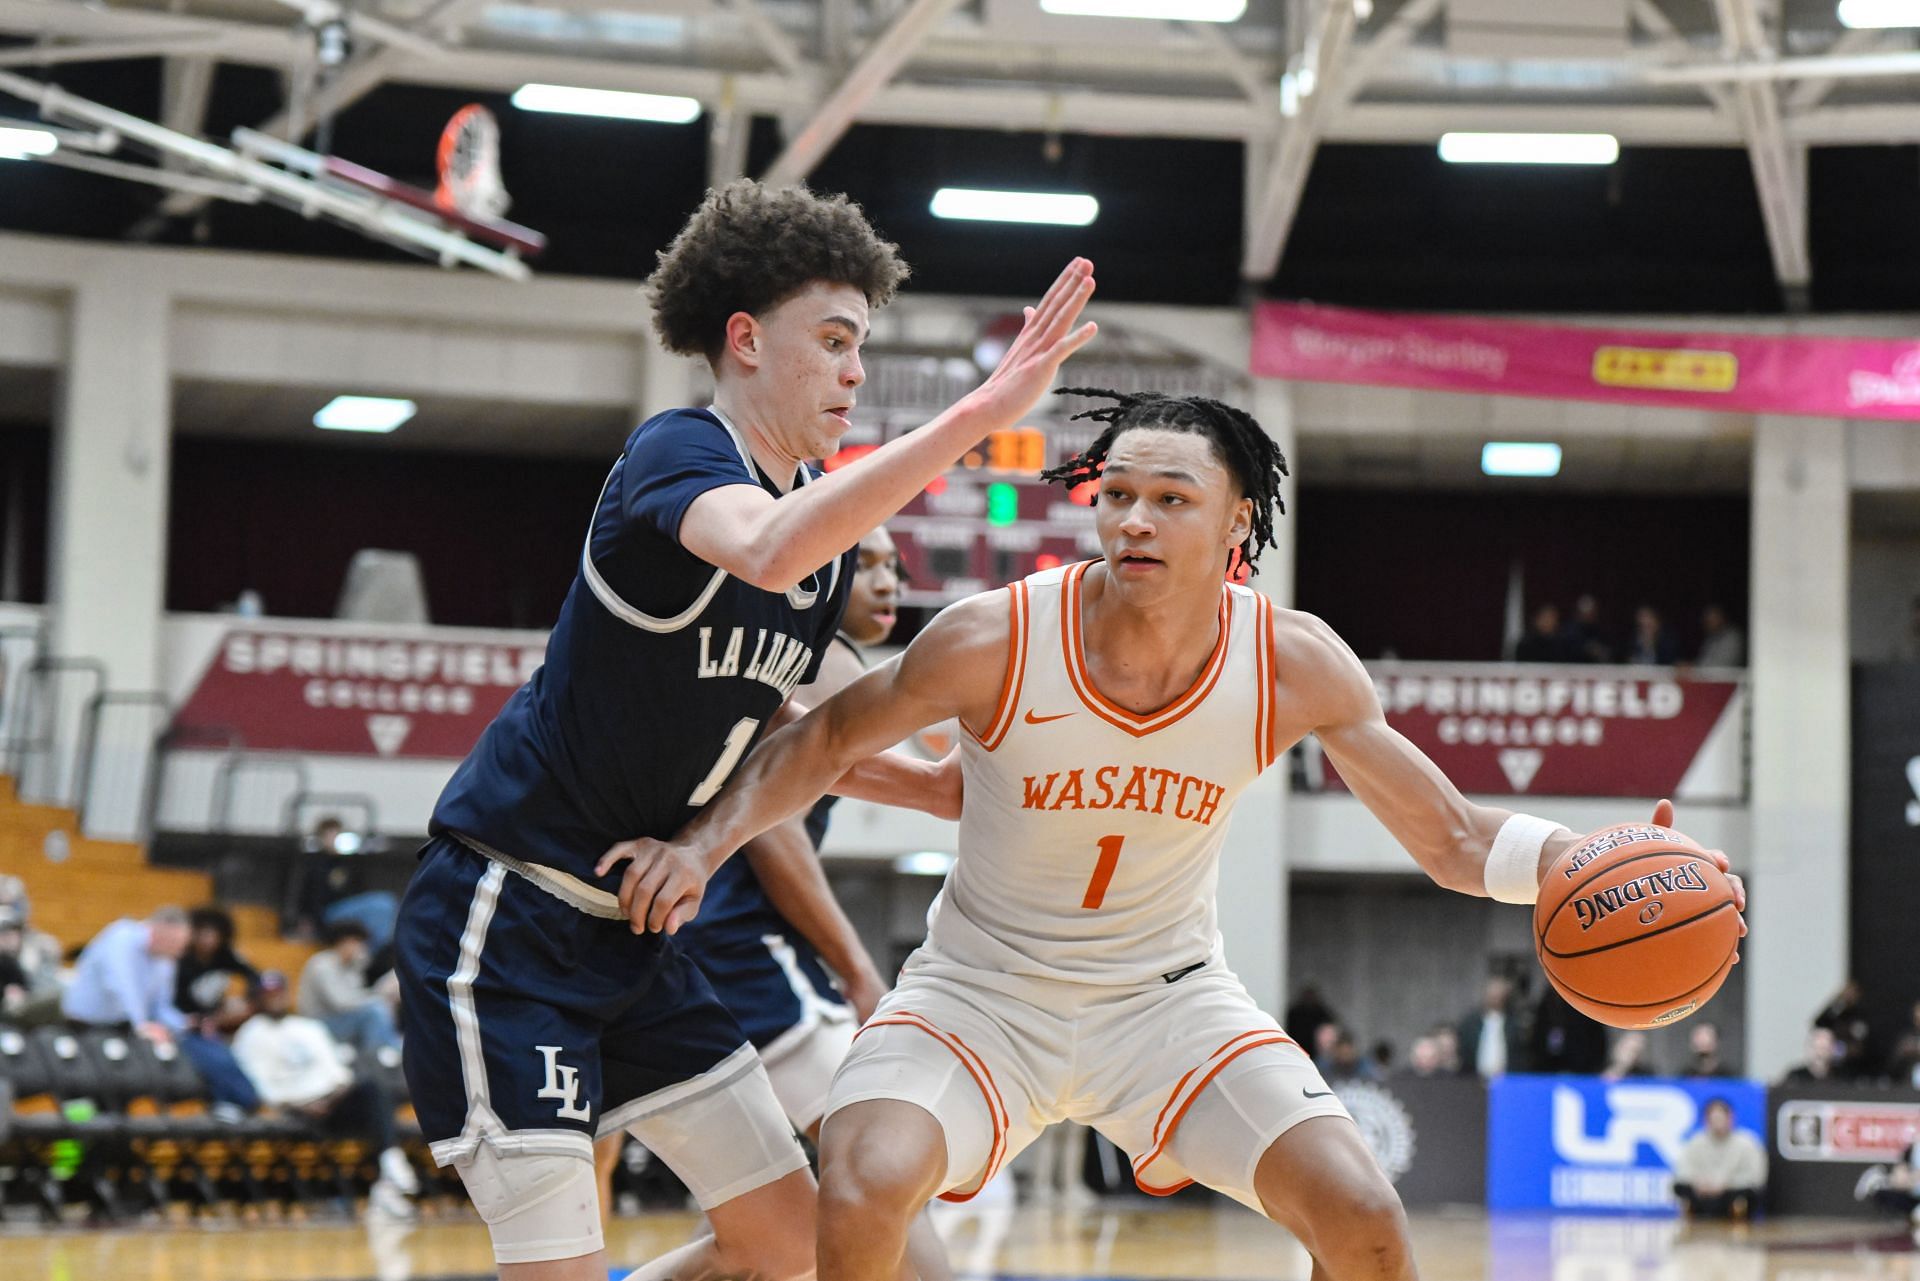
(1073,968)
(772,939)
(714,573)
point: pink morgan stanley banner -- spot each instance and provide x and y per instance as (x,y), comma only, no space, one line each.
(1746,373)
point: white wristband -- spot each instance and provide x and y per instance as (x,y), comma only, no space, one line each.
(1513,864)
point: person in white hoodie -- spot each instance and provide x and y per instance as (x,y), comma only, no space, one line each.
(1722,1171)
(294,1063)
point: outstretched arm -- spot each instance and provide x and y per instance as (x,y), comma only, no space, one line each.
(774,543)
(1459,843)
(954,668)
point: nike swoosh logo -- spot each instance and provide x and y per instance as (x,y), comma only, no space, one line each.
(1042,720)
(1317,1094)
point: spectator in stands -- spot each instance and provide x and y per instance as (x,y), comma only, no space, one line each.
(1345,1062)
(1822,1051)
(1423,1056)
(1544,641)
(213,981)
(1904,1065)
(1586,641)
(1651,644)
(1722,1172)
(1846,1017)
(1565,1040)
(1629,1057)
(1305,1014)
(39,951)
(333,989)
(13,979)
(1703,1051)
(1722,644)
(295,1065)
(128,976)
(1325,1038)
(1490,1043)
(1895,1186)
(1446,1046)
(1381,1058)
(328,887)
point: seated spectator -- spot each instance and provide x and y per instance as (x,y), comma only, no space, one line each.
(1904,1065)
(1703,1051)
(333,989)
(39,955)
(296,1066)
(1896,1186)
(1446,1046)
(1628,1058)
(1490,1042)
(1544,641)
(1722,1172)
(1305,1014)
(1423,1057)
(1565,1040)
(1846,1017)
(329,885)
(1822,1053)
(1381,1057)
(1344,1060)
(1722,644)
(127,976)
(1652,644)
(213,981)
(13,979)
(1586,641)
(1325,1037)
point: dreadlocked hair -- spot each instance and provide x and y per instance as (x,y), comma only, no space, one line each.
(1248,452)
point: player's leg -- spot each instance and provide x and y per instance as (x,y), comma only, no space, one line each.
(503,1075)
(881,1161)
(933,1099)
(1321,1182)
(682,1079)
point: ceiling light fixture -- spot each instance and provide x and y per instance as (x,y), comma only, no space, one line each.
(1864,15)
(1519,458)
(616,104)
(364,413)
(19,144)
(1529,148)
(1184,10)
(1056,209)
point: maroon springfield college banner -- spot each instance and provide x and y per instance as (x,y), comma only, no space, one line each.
(367,695)
(1559,732)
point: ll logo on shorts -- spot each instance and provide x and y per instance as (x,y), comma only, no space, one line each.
(563,1083)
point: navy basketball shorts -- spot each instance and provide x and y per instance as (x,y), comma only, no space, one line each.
(776,986)
(533,1027)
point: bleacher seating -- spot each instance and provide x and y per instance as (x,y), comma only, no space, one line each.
(104,1119)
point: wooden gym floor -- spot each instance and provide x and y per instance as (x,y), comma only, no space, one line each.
(1191,1241)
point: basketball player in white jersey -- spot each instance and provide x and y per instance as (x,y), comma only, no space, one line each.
(1073,969)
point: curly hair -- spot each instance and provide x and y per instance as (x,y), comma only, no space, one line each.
(1240,443)
(750,247)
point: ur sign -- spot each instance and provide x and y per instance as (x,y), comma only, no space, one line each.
(356,694)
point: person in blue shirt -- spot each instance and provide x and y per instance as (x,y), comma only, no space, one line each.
(127,975)
(715,570)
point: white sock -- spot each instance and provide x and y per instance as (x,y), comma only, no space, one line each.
(395,1169)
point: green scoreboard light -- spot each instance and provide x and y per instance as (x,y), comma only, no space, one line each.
(1003,504)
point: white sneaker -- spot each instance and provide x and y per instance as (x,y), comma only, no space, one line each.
(397,1170)
(389,1202)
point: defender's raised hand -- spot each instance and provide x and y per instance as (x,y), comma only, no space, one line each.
(1051,335)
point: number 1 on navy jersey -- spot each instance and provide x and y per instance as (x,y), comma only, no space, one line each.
(1103,871)
(739,738)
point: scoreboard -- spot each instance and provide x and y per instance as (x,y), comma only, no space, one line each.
(991,519)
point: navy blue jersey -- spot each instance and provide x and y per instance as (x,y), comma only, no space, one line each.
(660,672)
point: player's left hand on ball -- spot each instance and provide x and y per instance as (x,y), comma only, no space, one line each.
(1663,817)
(663,885)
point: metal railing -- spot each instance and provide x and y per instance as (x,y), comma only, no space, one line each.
(125,784)
(41,691)
(238,767)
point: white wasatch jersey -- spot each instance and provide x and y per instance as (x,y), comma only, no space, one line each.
(1090,838)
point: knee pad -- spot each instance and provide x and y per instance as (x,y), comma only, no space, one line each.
(537,1206)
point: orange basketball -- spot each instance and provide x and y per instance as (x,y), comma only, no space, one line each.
(1635,926)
